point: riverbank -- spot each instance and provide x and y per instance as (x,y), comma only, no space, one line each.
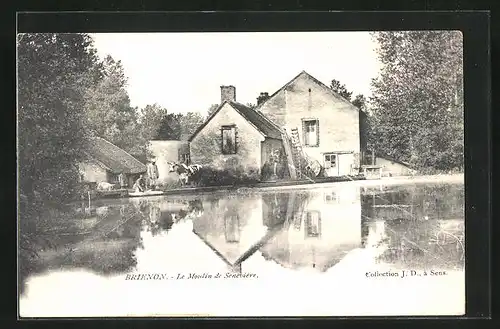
(264,185)
(309,184)
(335,181)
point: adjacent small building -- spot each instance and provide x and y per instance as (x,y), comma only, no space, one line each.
(235,137)
(393,167)
(387,166)
(104,161)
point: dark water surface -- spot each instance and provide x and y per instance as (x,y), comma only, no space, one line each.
(412,226)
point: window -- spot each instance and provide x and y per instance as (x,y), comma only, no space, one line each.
(228,139)
(330,160)
(313,224)
(311,132)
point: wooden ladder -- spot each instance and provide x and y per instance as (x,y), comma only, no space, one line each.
(289,154)
(297,152)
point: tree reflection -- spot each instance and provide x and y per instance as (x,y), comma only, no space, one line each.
(424,225)
(109,248)
(424,244)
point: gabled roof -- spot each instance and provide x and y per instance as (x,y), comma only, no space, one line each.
(319,83)
(112,157)
(245,255)
(256,119)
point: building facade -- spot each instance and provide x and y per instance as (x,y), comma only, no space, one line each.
(235,137)
(165,151)
(328,125)
(329,128)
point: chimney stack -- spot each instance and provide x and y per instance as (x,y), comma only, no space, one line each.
(227,93)
(262,98)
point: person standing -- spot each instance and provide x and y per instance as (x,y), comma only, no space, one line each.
(152,174)
(122,179)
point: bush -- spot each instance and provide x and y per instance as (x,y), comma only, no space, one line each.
(231,176)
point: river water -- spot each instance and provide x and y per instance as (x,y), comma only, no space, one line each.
(334,251)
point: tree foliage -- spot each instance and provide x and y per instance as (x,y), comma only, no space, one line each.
(54,71)
(170,127)
(360,102)
(212,109)
(340,89)
(417,99)
(190,122)
(108,111)
(151,117)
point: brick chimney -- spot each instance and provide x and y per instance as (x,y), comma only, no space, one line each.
(262,98)
(227,93)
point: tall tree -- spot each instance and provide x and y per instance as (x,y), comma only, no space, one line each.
(54,71)
(417,106)
(108,110)
(150,121)
(170,127)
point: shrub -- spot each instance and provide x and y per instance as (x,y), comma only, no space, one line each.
(229,176)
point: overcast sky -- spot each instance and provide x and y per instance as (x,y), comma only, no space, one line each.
(184,71)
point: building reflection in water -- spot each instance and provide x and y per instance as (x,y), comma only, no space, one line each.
(322,228)
(416,227)
(313,229)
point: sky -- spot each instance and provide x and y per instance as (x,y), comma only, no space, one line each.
(183,72)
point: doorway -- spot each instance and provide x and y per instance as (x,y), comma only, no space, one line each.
(331,164)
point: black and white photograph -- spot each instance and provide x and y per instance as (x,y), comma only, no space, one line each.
(251,174)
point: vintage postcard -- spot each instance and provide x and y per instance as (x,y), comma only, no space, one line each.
(241,174)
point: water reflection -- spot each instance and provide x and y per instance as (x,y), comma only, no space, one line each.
(421,226)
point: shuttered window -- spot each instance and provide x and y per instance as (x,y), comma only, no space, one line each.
(310,131)
(229,139)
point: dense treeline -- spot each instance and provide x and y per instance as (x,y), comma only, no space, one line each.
(66,94)
(416,113)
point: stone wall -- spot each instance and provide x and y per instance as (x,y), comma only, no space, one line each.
(206,146)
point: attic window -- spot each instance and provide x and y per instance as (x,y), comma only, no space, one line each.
(228,139)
